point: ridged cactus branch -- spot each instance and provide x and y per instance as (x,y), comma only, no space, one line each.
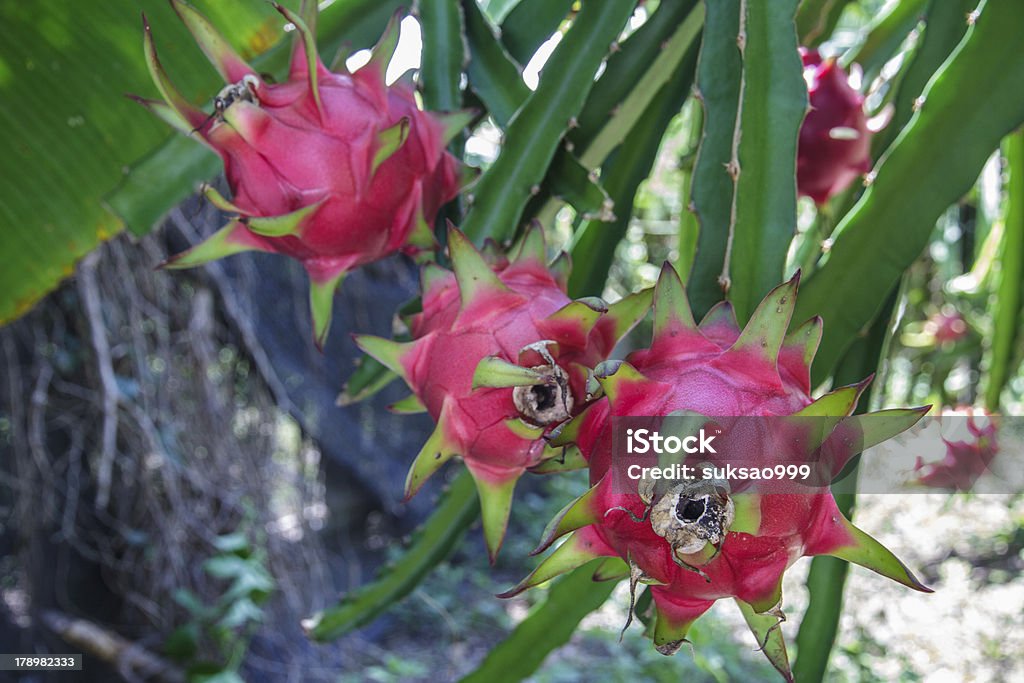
(918,179)
(498,200)
(744,188)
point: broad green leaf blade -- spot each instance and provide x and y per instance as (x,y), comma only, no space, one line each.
(499,197)
(816,19)
(529,24)
(546,628)
(443,54)
(1005,306)
(69,130)
(593,246)
(430,545)
(772,107)
(158,182)
(718,86)
(918,178)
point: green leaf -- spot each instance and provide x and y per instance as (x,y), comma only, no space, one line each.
(1005,306)
(530,24)
(70,132)
(63,72)
(917,179)
(745,232)
(547,627)
(430,545)
(168,176)
(499,197)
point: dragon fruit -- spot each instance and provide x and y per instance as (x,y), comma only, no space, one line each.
(946,326)
(332,168)
(697,541)
(499,355)
(965,460)
(835,142)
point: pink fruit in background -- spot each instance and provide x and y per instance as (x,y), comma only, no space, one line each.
(698,541)
(947,326)
(835,143)
(498,357)
(965,460)
(331,168)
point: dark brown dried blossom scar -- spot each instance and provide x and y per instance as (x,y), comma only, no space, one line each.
(689,515)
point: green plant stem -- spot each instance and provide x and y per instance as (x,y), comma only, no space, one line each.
(1005,306)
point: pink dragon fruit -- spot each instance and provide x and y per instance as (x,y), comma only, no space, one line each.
(965,460)
(698,541)
(947,326)
(835,142)
(331,168)
(499,356)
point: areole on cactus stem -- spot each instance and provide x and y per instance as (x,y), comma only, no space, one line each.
(695,542)
(499,356)
(332,168)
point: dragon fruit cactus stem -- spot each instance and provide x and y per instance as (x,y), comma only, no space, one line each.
(332,168)
(835,141)
(499,356)
(695,542)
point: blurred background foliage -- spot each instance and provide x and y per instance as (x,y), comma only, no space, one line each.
(240,499)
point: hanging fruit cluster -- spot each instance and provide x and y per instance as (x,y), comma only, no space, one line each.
(338,169)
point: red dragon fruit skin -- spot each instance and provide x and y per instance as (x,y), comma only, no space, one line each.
(965,460)
(749,539)
(835,143)
(498,358)
(331,168)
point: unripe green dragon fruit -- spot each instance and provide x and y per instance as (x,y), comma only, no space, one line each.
(696,541)
(835,142)
(499,356)
(332,168)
